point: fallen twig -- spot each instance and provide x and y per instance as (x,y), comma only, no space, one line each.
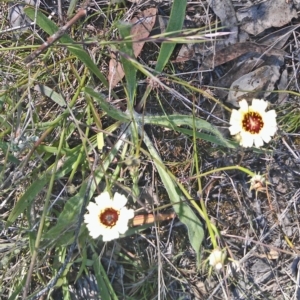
(57,35)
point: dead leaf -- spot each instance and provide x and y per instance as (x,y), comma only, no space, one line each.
(142,26)
(256,84)
(185,53)
(271,13)
(116,72)
(278,38)
(233,51)
(140,31)
(283,85)
(225,11)
(241,66)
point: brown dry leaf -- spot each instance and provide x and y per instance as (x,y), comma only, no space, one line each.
(233,51)
(185,53)
(116,72)
(283,85)
(142,26)
(243,65)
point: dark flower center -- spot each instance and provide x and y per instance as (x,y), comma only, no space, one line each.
(109,217)
(252,122)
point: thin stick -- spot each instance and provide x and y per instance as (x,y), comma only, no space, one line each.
(57,35)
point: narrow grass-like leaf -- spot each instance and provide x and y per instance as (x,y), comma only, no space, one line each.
(48,92)
(17,290)
(71,8)
(129,69)
(175,24)
(174,121)
(109,109)
(70,213)
(48,26)
(73,206)
(83,261)
(182,209)
(27,198)
(209,138)
(36,187)
(105,288)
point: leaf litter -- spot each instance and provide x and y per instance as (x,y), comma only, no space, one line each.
(142,25)
(252,62)
(245,66)
(257,61)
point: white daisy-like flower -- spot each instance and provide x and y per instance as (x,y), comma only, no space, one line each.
(217,258)
(252,123)
(108,217)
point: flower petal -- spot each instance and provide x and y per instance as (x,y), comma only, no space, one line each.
(244,105)
(234,129)
(109,235)
(246,139)
(235,117)
(258,141)
(124,217)
(119,201)
(259,105)
(103,200)
(92,207)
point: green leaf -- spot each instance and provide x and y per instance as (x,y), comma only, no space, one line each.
(182,209)
(175,24)
(109,109)
(69,214)
(27,198)
(48,26)
(129,69)
(72,208)
(174,121)
(36,187)
(105,288)
(4,146)
(17,290)
(48,92)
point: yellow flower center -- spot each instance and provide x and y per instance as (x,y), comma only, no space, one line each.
(109,217)
(252,122)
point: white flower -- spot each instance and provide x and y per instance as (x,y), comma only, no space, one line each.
(258,182)
(216,258)
(108,217)
(253,123)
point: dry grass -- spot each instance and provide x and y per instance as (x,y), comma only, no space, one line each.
(51,157)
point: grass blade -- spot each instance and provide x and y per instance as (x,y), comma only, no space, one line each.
(174,121)
(48,26)
(182,209)
(129,69)
(73,205)
(175,24)
(109,109)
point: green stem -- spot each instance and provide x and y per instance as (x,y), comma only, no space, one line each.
(250,173)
